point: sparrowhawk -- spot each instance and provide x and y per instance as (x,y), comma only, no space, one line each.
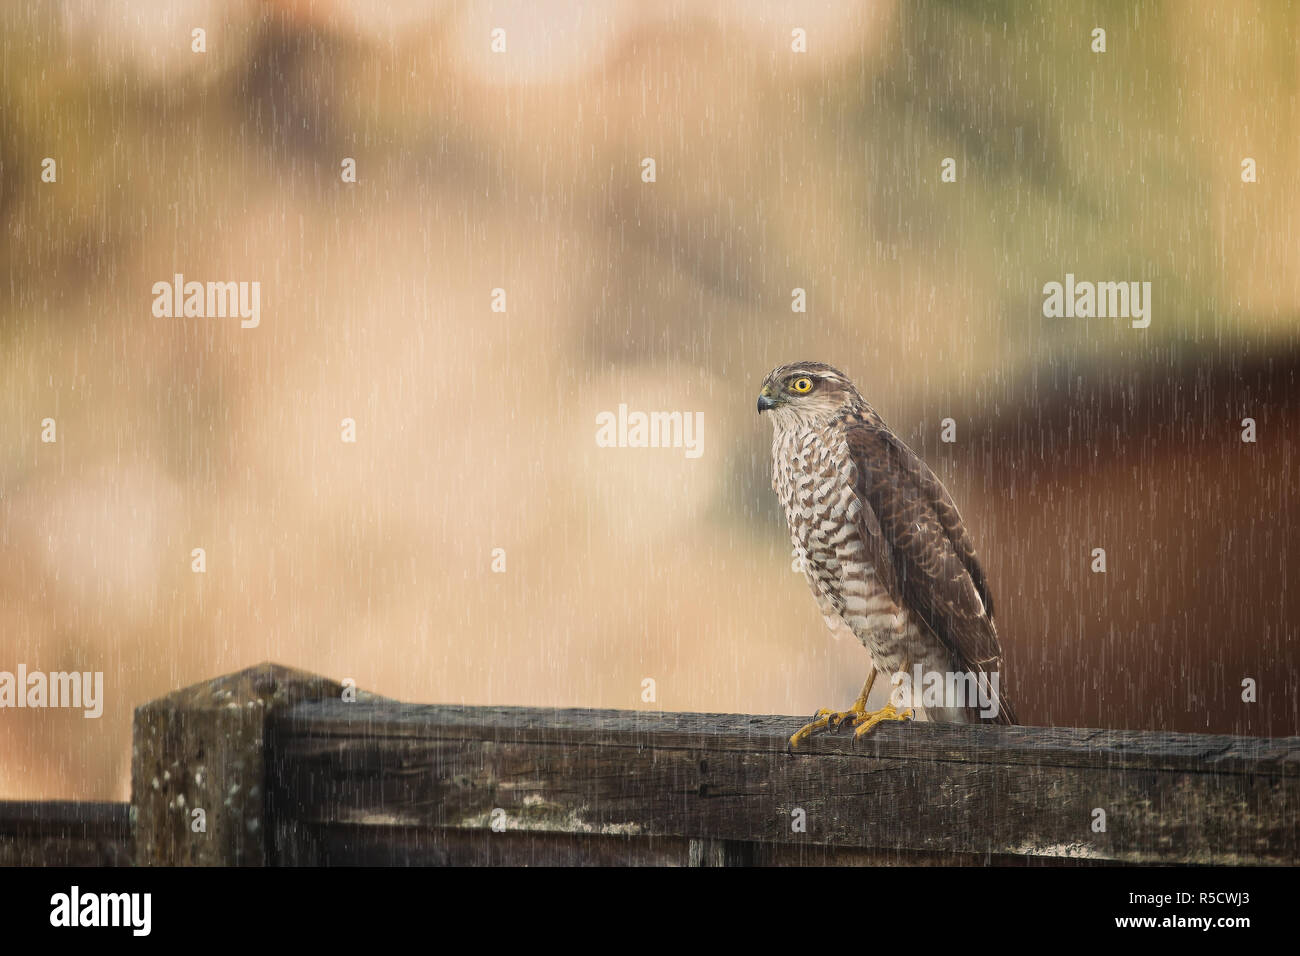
(885,552)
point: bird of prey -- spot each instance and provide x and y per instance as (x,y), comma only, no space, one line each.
(885,552)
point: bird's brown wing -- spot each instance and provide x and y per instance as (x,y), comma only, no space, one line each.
(921,550)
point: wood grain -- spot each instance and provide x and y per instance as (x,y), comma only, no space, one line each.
(975,792)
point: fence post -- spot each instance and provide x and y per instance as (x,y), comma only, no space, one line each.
(203,748)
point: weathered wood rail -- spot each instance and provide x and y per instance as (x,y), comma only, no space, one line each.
(64,833)
(284,768)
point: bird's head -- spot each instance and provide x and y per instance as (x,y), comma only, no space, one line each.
(805,392)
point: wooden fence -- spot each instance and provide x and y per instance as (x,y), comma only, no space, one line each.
(275,767)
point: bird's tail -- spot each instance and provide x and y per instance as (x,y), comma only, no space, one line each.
(1005,714)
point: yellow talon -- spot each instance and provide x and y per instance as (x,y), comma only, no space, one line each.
(861,718)
(865,722)
(823,718)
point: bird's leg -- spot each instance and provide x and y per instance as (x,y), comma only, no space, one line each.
(865,720)
(825,717)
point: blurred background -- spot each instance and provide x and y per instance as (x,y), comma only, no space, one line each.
(476,429)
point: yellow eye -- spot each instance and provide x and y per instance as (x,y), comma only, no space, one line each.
(801,385)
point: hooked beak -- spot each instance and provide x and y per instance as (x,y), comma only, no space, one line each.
(765,403)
